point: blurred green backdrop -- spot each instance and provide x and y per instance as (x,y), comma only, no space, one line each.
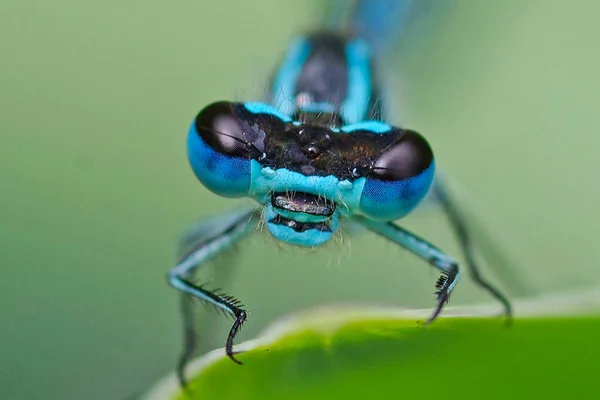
(96,98)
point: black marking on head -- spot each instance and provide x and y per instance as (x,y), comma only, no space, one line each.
(224,127)
(312,150)
(407,157)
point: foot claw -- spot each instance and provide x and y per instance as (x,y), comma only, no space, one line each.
(232,354)
(443,295)
(240,317)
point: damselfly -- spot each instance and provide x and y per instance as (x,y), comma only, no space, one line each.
(317,155)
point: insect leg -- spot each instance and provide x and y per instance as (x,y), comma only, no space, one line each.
(214,237)
(461,230)
(223,270)
(420,247)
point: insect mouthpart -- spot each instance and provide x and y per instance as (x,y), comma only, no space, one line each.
(301,227)
(301,219)
(300,202)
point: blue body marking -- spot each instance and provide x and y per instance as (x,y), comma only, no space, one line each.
(388,201)
(281,179)
(226,176)
(308,238)
(372,126)
(263,108)
(355,105)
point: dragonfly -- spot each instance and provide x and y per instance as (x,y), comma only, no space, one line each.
(318,156)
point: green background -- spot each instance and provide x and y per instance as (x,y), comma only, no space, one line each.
(96,98)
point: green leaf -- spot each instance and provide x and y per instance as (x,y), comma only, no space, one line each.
(387,354)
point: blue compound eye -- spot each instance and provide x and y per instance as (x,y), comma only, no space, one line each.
(398,179)
(219,149)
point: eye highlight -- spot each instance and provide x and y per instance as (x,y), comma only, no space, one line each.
(399,178)
(219,151)
(406,158)
(219,127)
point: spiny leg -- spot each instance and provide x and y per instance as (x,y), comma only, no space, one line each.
(216,236)
(461,230)
(420,247)
(194,339)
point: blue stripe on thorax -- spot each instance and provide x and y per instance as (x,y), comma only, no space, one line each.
(355,106)
(284,84)
(359,86)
